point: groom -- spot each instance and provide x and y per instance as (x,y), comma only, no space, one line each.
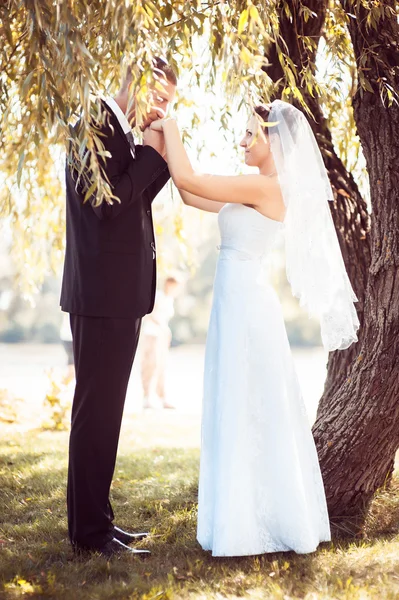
(108,286)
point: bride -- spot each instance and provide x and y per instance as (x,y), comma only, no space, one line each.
(260,485)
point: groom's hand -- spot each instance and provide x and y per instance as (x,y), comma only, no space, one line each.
(155,139)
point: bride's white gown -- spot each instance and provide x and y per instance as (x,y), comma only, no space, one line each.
(260,486)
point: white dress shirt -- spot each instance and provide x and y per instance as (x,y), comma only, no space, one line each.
(116,109)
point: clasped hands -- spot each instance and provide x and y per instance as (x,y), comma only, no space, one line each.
(153,134)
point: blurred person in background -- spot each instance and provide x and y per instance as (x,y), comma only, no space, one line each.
(66,339)
(156,340)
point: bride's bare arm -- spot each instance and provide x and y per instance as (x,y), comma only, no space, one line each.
(251,189)
(201,203)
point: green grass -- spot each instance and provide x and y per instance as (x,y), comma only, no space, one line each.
(155,488)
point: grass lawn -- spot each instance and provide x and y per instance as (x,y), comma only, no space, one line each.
(155,488)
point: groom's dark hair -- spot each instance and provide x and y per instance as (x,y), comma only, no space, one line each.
(158,64)
(161,65)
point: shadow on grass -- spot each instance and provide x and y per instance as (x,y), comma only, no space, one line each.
(154,490)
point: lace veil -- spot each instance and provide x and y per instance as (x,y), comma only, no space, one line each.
(314,264)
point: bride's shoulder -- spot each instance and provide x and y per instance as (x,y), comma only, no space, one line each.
(273,188)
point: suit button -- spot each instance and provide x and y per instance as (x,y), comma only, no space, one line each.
(149,213)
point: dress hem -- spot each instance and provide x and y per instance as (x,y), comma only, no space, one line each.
(208,549)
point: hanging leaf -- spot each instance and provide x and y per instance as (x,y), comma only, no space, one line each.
(242,21)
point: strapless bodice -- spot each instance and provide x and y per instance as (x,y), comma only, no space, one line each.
(245,233)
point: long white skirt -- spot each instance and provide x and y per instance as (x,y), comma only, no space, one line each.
(260,486)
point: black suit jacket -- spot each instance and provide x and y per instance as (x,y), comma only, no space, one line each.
(110,266)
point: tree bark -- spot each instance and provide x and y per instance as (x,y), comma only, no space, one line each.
(349,211)
(356,464)
(356,429)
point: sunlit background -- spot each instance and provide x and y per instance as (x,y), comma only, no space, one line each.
(33,361)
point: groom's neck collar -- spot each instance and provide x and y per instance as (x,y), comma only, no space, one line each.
(122,101)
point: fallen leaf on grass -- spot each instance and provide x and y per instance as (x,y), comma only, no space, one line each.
(185,577)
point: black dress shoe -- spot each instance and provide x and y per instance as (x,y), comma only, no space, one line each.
(112,548)
(128,538)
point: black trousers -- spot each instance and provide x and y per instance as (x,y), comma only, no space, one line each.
(104,349)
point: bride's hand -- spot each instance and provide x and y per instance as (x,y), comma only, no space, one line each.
(157,125)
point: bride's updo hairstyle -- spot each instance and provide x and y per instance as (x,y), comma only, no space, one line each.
(289,113)
(263,110)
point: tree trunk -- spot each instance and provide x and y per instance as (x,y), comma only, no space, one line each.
(357,428)
(349,211)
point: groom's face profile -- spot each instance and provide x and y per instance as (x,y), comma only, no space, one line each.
(161,93)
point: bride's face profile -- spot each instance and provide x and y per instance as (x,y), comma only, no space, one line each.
(256,143)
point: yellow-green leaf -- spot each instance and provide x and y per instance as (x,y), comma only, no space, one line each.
(242,21)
